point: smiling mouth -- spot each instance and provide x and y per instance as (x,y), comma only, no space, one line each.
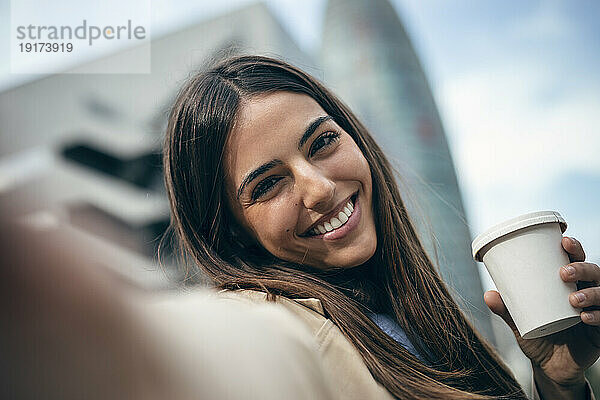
(335,221)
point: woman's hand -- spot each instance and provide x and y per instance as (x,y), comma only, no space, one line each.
(564,356)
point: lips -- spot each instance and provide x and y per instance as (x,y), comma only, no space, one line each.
(330,215)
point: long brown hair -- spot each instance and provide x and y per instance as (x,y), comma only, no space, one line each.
(459,364)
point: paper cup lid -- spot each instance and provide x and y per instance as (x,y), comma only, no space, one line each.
(520,222)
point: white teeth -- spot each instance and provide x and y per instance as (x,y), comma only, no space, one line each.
(336,223)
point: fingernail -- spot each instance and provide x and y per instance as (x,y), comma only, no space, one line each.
(580,297)
(570,270)
(588,316)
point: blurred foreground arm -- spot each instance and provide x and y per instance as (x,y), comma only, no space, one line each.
(72,330)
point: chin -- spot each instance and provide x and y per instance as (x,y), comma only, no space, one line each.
(350,261)
(357,262)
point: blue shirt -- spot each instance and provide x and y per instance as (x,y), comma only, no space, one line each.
(391,327)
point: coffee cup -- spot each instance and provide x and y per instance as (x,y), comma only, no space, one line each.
(523,256)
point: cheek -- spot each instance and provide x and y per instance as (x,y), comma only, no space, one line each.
(274,223)
(364,169)
(351,164)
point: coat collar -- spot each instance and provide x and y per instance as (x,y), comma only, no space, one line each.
(312,303)
(309,302)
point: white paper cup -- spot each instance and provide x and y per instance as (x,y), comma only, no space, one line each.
(523,256)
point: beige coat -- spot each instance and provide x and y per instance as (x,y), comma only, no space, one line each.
(348,375)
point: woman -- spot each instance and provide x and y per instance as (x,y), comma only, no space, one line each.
(275,186)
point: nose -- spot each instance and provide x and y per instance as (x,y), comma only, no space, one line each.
(316,189)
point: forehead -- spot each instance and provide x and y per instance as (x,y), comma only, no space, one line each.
(265,127)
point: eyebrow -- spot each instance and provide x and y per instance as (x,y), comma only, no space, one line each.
(310,129)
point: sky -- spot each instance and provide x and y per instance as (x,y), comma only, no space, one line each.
(518,89)
(517,85)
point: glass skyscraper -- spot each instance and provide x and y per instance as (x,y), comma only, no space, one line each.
(368,60)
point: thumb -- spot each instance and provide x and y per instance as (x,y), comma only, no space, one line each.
(495,303)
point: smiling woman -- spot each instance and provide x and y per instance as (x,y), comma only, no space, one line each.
(315,178)
(277,191)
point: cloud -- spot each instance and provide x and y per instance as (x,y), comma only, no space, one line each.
(504,132)
(546,21)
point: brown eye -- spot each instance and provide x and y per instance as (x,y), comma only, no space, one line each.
(323,141)
(265,186)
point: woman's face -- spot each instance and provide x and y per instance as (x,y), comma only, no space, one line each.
(292,174)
